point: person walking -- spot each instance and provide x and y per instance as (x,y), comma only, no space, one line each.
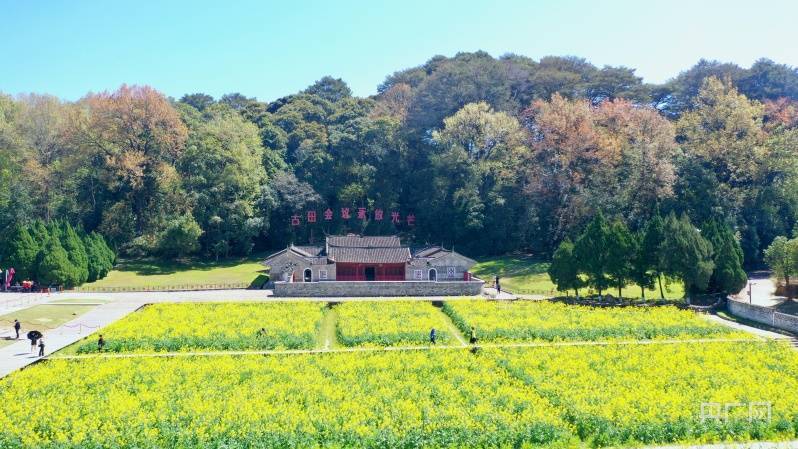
(473,338)
(432,336)
(100,344)
(497,285)
(17,327)
(41,347)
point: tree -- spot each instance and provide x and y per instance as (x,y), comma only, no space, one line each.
(686,254)
(564,268)
(54,267)
(180,238)
(728,276)
(592,251)
(100,257)
(724,135)
(642,270)
(453,83)
(222,172)
(782,257)
(651,255)
(76,252)
(199,101)
(19,252)
(134,136)
(620,254)
(329,88)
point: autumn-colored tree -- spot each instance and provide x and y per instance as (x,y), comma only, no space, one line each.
(136,136)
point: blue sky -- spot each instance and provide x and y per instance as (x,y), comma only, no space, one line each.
(269,49)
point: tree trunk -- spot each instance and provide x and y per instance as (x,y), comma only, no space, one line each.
(619,290)
(661,292)
(643,293)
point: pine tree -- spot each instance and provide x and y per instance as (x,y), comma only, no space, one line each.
(620,254)
(728,275)
(651,254)
(39,233)
(591,251)
(642,272)
(54,266)
(564,268)
(20,250)
(100,256)
(76,251)
(687,255)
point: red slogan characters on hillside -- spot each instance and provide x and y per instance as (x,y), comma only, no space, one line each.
(345,213)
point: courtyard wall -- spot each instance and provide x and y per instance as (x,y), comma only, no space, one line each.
(377,288)
(764,315)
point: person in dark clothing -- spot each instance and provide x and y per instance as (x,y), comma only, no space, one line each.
(33,344)
(497,284)
(262,332)
(17,327)
(432,336)
(100,343)
(473,338)
(41,347)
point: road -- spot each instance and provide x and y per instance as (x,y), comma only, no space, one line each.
(762,290)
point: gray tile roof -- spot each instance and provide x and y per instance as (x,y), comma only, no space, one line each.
(431,252)
(369,255)
(356,241)
(309,251)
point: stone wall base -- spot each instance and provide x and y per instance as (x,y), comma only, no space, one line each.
(377,288)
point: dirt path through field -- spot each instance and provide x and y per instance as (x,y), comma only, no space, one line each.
(327,337)
(408,348)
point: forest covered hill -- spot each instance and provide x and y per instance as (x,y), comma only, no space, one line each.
(492,155)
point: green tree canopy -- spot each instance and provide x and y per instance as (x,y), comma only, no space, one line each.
(686,254)
(564,268)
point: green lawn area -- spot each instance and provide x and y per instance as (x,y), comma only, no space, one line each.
(189,273)
(42,318)
(527,275)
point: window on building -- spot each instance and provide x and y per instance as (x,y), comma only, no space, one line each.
(418,275)
(450,272)
(323,275)
(308,275)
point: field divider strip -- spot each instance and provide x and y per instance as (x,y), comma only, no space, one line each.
(407,348)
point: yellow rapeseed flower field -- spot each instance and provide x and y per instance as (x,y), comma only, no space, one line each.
(631,394)
(443,398)
(390,323)
(501,321)
(214,326)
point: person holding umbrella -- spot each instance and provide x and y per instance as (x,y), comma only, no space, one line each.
(34,336)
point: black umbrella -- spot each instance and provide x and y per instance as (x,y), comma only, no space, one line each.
(34,335)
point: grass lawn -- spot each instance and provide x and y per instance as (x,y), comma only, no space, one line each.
(527,275)
(160,274)
(42,317)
